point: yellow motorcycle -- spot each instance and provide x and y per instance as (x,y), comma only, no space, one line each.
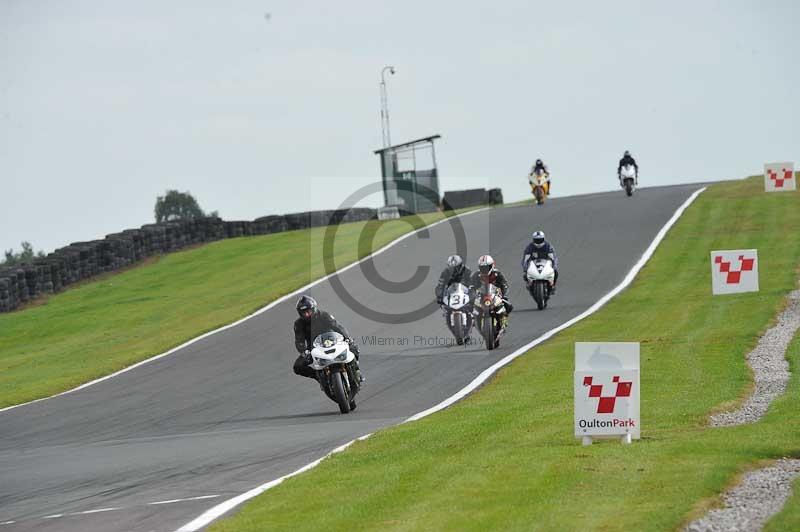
(540,185)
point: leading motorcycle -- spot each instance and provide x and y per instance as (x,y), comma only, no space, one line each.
(458,312)
(539,278)
(628,178)
(490,310)
(540,187)
(337,372)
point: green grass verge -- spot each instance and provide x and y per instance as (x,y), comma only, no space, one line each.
(108,324)
(505,458)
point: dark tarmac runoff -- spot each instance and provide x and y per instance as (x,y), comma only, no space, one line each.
(153,448)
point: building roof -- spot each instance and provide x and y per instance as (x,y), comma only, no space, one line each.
(403,145)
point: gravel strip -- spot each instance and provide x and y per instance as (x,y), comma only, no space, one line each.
(749,505)
(770,367)
(763,492)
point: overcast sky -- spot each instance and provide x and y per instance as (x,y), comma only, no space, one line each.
(105,105)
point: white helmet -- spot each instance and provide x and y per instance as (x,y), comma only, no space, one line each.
(486,264)
(456,263)
(538,238)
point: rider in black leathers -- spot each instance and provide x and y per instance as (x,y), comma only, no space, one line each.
(455,272)
(311,323)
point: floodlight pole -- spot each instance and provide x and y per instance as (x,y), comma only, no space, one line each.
(387,136)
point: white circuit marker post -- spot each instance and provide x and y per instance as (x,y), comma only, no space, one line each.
(734,271)
(607,391)
(779,177)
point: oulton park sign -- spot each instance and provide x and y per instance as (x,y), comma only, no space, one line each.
(606,387)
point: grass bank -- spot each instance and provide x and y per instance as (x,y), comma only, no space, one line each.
(505,458)
(108,324)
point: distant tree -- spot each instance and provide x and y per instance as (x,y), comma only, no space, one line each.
(26,255)
(176,205)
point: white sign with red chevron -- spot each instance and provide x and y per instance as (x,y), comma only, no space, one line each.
(779,177)
(734,271)
(606,388)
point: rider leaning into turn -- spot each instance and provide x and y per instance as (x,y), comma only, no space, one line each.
(540,248)
(626,160)
(311,323)
(455,272)
(540,166)
(488,273)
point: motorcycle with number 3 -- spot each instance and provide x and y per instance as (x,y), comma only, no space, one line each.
(333,361)
(490,314)
(458,312)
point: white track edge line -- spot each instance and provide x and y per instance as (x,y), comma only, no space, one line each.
(256,313)
(172,501)
(217,511)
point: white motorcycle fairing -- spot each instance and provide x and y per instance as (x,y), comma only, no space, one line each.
(540,270)
(457,298)
(330,348)
(539,178)
(628,172)
(458,312)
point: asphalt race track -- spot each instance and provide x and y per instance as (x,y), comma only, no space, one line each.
(226,414)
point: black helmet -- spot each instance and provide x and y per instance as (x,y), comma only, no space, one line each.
(539,162)
(627,153)
(538,238)
(306,307)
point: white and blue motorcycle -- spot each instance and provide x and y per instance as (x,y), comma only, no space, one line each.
(457,308)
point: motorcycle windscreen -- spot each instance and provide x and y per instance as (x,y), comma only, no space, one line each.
(328,339)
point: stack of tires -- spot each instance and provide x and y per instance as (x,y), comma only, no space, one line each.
(83,260)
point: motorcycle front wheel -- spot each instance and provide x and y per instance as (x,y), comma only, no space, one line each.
(538,295)
(488,332)
(629,187)
(340,393)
